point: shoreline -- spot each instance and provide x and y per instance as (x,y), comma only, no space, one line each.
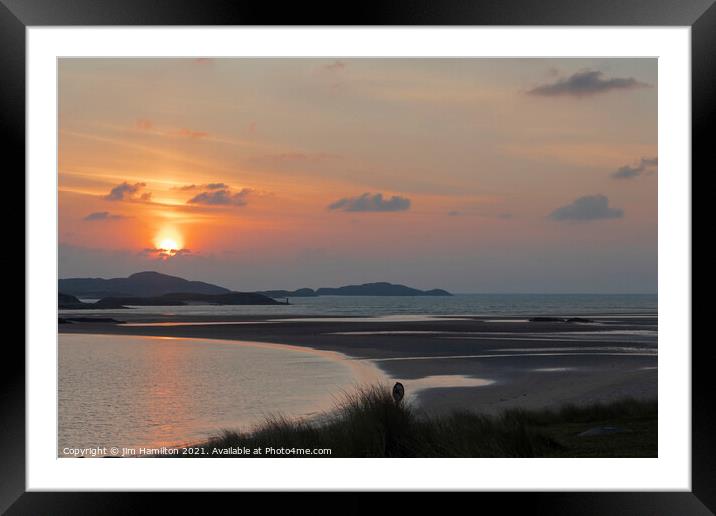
(531,365)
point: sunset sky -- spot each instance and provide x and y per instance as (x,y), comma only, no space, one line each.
(473,175)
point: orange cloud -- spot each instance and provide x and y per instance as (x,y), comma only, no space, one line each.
(585,84)
(207,186)
(126,192)
(164,254)
(222,198)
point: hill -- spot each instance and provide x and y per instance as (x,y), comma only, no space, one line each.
(151,284)
(180,299)
(141,284)
(68,302)
(379,289)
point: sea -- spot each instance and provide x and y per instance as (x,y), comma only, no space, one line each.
(458,304)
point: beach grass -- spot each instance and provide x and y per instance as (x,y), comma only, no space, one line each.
(369,423)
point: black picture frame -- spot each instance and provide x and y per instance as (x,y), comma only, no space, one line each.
(17,15)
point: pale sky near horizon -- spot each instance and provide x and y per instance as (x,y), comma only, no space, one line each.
(473,175)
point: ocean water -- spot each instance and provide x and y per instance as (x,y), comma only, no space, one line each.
(460,304)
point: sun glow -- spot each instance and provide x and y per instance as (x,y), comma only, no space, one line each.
(169,241)
(168,245)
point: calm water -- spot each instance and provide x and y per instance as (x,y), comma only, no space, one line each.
(133,391)
(461,304)
(154,391)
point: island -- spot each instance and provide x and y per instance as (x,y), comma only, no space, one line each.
(67,302)
(379,289)
(140,284)
(151,288)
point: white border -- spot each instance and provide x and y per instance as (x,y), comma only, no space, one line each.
(670,471)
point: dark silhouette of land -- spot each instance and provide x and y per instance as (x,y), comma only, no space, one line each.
(150,284)
(367,289)
(180,299)
(141,284)
(379,289)
(67,302)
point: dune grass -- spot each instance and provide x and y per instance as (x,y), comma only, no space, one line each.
(368,423)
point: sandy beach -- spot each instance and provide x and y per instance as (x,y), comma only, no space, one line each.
(521,363)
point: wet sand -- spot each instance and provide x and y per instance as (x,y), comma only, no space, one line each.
(525,364)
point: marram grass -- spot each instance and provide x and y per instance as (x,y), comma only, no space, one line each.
(368,423)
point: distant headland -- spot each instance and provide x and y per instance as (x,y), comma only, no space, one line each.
(151,288)
(141,284)
(366,289)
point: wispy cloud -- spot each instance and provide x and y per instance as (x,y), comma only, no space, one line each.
(187,133)
(585,84)
(125,192)
(371,202)
(164,254)
(103,215)
(299,156)
(645,166)
(589,207)
(147,125)
(222,198)
(207,186)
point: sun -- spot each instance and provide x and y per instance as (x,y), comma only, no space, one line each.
(168,244)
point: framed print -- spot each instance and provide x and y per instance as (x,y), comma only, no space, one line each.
(446,248)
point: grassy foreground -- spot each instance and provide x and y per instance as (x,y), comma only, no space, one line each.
(368,423)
